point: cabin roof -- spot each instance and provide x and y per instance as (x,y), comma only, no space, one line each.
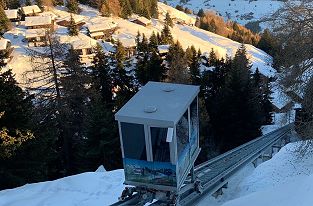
(12,13)
(169,100)
(141,19)
(128,42)
(31,9)
(101,26)
(3,44)
(32,33)
(77,18)
(37,20)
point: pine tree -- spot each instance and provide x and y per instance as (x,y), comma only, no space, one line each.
(28,3)
(5,24)
(122,81)
(153,42)
(72,27)
(16,111)
(268,43)
(168,20)
(75,98)
(126,8)
(194,66)
(72,6)
(201,13)
(237,117)
(177,65)
(166,35)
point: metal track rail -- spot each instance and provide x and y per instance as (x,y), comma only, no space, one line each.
(215,173)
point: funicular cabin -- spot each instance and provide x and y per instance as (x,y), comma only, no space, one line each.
(159,134)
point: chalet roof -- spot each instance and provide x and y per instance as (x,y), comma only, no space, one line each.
(82,44)
(81,41)
(128,42)
(32,33)
(141,19)
(11,14)
(37,20)
(158,102)
(31,9)
(77,18)
(101,26)
(3,44)
(49,13)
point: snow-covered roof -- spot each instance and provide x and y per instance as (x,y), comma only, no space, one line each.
(37,20)
(99,33)
(49,13)
(32,33)
(3,44)
(81,41)
(101,26)
(31,9)
(82,44)
(163,48)
(128,42)
(141,19)
(77,18)
(158,103)
(11,14)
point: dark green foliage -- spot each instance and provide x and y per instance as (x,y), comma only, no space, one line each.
(73,112)
(149,64)
(268,43)
(72,27)
(126,8)
(177,65)
(236,114)
(168,20)
(166,35)
(201,13)
(5,23)
(101,128)
(12,4)
(121,79)
(194,65)
(18,110)
(28,2)
(72,6)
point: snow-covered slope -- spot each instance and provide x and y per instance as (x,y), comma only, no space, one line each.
(285,180)
(242,11)
(86,189)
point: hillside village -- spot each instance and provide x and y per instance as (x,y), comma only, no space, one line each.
(72,71)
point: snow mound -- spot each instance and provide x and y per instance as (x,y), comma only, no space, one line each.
(86,189)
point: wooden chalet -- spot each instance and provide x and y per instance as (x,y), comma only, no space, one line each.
(39,22)
(103,30)
(36,37)
(12,14)
(141,21)
(6,49)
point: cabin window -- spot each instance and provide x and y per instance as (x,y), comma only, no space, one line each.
(160,147)
(194,125)
(182,133)
(134,143)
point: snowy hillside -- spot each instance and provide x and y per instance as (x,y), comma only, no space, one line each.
(285,174)
(187,34)
(229,9)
